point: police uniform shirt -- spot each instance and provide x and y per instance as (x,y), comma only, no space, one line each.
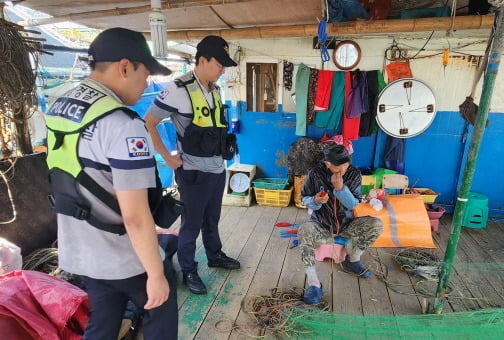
(117,153)
(174,102)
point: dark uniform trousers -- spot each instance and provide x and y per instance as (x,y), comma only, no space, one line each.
(201,193)
(108,300)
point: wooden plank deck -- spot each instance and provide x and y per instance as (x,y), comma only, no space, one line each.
(268,261)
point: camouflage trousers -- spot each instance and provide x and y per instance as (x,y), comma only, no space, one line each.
(361,233)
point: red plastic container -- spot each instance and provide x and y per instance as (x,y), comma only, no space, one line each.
(435,212)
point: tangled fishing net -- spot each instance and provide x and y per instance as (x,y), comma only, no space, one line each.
(420,262)
(284,314)
(482,324)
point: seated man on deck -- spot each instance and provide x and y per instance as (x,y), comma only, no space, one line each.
(331,190)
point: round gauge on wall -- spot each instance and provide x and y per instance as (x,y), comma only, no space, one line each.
(346,55)
(406,108)
(239,182)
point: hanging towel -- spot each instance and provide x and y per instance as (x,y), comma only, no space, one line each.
(331,118)
(288,68)
(312,87)
(381,85)
(368,118)
(397,70)
(394,154)
(323,92)
(356,101)
(350,125)
(302,79)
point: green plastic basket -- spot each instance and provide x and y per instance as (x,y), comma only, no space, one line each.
(271,183)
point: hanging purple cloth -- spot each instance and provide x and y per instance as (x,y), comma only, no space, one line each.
(357,99)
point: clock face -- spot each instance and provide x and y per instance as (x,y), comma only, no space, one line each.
(406,108)
(346,55)
(239,182)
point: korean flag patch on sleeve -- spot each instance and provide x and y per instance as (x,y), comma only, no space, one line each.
(163,93)
(137,146)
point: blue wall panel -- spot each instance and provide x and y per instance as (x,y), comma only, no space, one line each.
(488,176)
(432,159)
(264,140)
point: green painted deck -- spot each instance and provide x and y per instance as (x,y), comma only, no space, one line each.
(248,234)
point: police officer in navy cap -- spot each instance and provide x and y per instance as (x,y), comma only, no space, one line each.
(194,105)
(103,178)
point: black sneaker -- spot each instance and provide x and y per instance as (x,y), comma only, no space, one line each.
(194,283)
(224,261)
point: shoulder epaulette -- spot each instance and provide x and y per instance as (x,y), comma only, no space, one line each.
(185,79)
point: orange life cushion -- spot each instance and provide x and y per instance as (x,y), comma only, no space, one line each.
(405,222)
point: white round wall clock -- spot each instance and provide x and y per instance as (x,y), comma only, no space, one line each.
(239,182)
(406,108)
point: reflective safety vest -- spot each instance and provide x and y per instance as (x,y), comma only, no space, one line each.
(68,117)
(206,135)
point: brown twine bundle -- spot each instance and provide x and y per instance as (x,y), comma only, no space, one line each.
(273,312)
(17,78)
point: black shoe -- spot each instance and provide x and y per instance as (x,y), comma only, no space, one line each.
(224,261)
(194,283)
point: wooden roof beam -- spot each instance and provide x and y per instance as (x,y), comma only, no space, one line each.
(125,11)
(344,28)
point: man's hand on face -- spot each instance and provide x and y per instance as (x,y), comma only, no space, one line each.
(337,181)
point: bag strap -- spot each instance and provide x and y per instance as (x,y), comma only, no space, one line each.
(67,206)
(103,195)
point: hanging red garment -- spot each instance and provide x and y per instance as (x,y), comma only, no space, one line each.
(324,137)
(350,125)
(377,9)
(323,92)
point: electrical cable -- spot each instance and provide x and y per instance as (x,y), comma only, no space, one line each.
(421,49)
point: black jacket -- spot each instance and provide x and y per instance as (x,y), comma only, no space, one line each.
(319,176)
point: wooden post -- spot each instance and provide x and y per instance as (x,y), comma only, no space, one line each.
(344,28)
